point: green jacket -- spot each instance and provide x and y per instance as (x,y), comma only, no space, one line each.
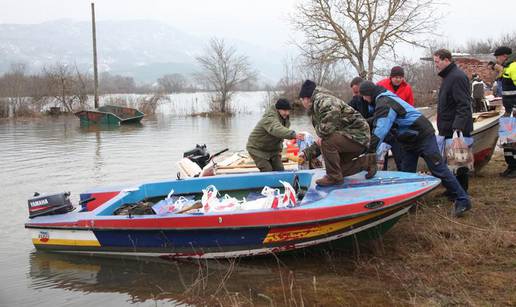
(266,139)
(332,115)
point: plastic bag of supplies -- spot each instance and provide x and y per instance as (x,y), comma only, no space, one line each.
(507,130)
(458,152)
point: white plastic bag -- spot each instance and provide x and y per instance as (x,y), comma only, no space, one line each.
(171,204)
(459,153)
(381,154)
(211,203)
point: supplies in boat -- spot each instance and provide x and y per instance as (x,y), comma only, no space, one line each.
(172,204)
(270,198)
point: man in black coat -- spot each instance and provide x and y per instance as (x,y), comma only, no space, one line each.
(454,111)
(358,103)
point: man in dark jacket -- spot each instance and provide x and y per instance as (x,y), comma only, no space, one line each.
(266,140)
(416,136)
(506,58)
(357,102)
(454,112)
(344,135)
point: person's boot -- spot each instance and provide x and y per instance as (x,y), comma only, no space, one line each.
(327,181)
(512,174)
(371,166)
(461,207)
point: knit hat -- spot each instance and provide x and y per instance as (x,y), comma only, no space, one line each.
(356,81)
(367,88)
(283,104)
(307,89)
(397,71)
(502,50)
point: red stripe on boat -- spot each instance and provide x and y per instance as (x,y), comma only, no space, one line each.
(239,219)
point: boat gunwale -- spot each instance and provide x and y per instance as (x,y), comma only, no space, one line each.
(326,220)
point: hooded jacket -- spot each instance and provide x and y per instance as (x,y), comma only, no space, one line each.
(454,106)
(392,111)
(404,90)
(266,139)
(332,115)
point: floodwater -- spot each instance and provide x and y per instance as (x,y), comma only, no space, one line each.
(55,154)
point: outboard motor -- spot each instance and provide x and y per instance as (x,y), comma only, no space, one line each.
(199,155)
(41,205)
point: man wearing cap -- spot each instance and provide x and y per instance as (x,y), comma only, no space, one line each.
(396,83)
(507,59)
(416,136)
(343,133)
(454,111)
(266,140)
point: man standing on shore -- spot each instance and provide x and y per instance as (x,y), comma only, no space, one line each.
(454,111)
(507,59)
(416,136)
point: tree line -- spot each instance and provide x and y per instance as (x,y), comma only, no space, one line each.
(341,39)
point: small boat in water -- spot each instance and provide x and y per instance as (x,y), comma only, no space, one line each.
(355,209)
(110,115)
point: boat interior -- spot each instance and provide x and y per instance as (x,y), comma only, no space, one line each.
(237,186)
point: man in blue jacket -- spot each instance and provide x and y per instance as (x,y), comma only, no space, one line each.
(416,136)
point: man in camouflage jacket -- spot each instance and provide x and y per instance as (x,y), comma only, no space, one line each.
(265,142)
(344,135)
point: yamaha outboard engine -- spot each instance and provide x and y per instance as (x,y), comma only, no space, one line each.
(49,204)
(199,155)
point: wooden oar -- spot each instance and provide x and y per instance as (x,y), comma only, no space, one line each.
(196,205)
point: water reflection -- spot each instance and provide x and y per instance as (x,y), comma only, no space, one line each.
(146,279)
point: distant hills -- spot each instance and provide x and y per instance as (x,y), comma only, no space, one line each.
(143,49)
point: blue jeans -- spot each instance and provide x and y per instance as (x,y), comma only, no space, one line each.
(428,149)
(397,152)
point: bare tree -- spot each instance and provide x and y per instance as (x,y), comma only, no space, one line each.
(360,31)
(224,70)
(15,87)
(62,85)
(172,83)
(290,83)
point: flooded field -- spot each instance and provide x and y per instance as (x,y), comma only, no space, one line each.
(428,258)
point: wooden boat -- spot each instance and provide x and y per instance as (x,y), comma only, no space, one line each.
(320,215)
(110,115)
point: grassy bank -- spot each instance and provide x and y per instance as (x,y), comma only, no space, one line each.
(427,259)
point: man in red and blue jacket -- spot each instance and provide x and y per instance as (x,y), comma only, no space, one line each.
(415,134)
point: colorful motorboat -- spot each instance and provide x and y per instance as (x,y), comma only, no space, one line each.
(319,215)
(110,115)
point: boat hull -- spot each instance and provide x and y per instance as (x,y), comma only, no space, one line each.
(110,115)
(325,215)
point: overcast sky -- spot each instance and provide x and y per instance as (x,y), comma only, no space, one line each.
(263,22)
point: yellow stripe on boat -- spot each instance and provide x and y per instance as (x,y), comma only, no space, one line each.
(290,234)
(64,237)
(66,242)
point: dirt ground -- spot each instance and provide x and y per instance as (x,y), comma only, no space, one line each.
(431,259)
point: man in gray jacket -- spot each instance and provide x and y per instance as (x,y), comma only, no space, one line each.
(265,142)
